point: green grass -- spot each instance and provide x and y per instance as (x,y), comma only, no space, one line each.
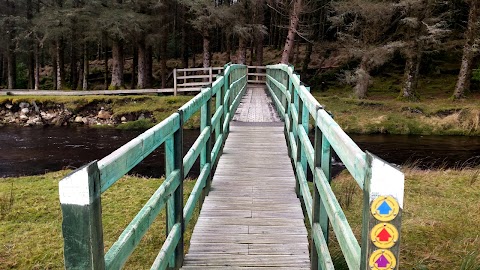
(440,218)
(381,112)
(30,230)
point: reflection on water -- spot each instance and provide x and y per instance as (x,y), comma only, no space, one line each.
(28,151)
(425,151)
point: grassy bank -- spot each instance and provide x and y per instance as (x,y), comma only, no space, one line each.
(154,108)
(440,218)
(439,228)
(435,113)
(30,220)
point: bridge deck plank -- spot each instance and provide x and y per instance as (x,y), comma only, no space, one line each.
(252,217)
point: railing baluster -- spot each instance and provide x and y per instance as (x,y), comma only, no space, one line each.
(174,161)
(205,157)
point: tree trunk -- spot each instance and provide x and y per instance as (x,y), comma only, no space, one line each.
(149,64)
(206,50)
(142,65)
(259,37)
(117,64)
(463,82)
(31,44)
(86,67)
(307,59)
(133,84)
(412,68)
(242,51)
(37,66)
(73,64)
(163,58)
(2,68)
(12,69)
(292,31)
(105,65)
(60,64)
(363,80)
(54,67)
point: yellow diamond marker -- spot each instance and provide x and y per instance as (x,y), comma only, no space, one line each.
(382,259)
(384,208)
(384,235)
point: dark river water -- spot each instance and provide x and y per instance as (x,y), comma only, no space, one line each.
(29,151)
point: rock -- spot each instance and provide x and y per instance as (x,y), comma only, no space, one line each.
(23,105)
(49,116)
(37,120)
(30,122)
(8,106)
(78,119)
(123,119)
(85,120)
(23,117)
(102,114)
(25,111)
(141,117)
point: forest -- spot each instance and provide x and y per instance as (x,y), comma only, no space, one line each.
(115,44)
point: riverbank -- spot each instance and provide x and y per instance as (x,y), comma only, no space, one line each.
(31,220)
(434,113)
(126,112)
(381,113)
(439,227)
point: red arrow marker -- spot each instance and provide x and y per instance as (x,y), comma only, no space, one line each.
(383,236)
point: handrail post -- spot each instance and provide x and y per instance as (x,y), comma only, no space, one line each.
(174,161)
(383,194)
(175,81)
(82,218)
(206,154)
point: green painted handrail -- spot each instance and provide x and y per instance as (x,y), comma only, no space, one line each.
(297,106)
(80,191)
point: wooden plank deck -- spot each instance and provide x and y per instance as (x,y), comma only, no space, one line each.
(252,217)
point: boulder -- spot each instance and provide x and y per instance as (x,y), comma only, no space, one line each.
(8,106)
(23,105)
(123,119)
(25,111)
(141,117)
(79,119)
(23,117)
(102,114)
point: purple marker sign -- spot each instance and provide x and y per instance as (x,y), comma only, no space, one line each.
(382,262)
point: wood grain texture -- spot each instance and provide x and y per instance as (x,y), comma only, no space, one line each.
(252,218)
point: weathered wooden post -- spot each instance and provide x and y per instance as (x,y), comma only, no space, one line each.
(382,215)
(206,154)
(225,97)
(82,218)
(173,162)
(175,81)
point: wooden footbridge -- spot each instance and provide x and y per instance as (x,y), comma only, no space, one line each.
(255,154)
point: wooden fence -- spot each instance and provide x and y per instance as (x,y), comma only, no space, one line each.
(80,191)
(382,184)
(193,79)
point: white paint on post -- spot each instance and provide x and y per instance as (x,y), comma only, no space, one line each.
(386,181)
(74,188)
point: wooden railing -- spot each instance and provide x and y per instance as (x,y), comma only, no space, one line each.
(80,191)
(381,183)
(193,79)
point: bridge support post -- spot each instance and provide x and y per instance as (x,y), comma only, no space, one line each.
(382,215)
(174,161)
(82,219)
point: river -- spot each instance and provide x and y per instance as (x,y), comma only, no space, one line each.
(30,151)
